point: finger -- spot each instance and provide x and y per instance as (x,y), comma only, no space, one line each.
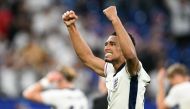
(67,13)
(104,10)
(64,16)
(73,16)
(72,12)
(72,20)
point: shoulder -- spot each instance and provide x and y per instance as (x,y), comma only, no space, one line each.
(76,93)
(54,93)
(79,92)
(143,75)
(51,96)
(141,72)
(108,69)
(183,87)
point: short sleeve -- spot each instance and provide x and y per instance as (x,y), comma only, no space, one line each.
(50,97)
(143,75)
(109,69)
(171,99)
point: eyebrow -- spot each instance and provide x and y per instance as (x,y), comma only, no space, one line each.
(110,42)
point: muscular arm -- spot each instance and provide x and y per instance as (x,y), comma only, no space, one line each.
(125,41)
(81,48)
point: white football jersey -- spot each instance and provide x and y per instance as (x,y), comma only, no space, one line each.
(125,91)
(65,98)
(179,96)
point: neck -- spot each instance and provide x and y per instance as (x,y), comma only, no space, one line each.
(118,64)
(68,85)
(181,81)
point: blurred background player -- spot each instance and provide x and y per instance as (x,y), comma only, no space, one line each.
(125,76)
(178,96)
(64,95)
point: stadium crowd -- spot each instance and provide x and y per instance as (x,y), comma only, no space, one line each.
(34,40)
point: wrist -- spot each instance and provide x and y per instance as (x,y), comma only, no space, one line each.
(71,25)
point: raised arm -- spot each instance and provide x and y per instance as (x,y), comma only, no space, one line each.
(125,41)
(36,92)
(161,91)
(81,48)
(33,92)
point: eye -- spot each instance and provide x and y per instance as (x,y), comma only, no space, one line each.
(106,44)
(112,43)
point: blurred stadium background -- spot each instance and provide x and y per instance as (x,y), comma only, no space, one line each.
(33,40)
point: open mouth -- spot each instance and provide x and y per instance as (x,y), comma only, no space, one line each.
(108,57)
(108,54)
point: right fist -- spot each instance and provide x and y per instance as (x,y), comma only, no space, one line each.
(69,18)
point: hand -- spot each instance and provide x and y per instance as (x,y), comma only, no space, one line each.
(53,76)
(161,75)
(111,12)
(69,18)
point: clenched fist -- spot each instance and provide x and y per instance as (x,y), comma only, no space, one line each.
(111,12)
(69,18)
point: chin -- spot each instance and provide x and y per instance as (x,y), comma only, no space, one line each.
(108,60)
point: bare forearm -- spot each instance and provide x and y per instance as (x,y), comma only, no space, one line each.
(33,92)
(160,96)
(80,46)
(125,41)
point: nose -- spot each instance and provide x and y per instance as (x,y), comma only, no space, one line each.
(107,48)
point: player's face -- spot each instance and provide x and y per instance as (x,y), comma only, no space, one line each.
(112,49)
(57,79)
